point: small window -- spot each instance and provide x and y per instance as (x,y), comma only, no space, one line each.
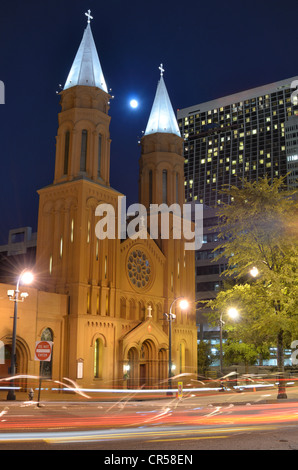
(71,230)
(106,266)
(98,358)
(164,186)
(66,152)
(99,156)
(61,247)
(83,159)
(150,187)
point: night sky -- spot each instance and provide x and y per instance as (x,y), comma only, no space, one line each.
(209,49)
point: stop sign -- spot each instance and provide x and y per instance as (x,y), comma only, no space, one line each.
(43,351)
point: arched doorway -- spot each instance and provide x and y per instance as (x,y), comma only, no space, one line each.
(133,362)
(5,364)
(148,364)
(22,358)
(98,358)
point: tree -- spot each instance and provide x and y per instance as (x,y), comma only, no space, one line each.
(247,353)
(259,229)
(204,357)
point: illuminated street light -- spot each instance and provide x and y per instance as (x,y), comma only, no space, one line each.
(26,277)
(183,305)
(254,272)
(232,313)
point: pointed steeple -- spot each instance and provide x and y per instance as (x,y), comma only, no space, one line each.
(86,69)
(162,117)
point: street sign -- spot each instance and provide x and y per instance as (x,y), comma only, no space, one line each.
(43,351)
(180,389)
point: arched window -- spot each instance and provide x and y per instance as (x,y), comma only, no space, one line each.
(99,156)
(83,158)
(132,309)
(46,367)
(66,152)
(98,358)
(164,186)
(141,311)
(122,307)
(150,187)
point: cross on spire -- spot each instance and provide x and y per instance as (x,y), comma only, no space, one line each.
(89,16)
(161,69)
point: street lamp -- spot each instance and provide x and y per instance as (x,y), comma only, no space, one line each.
(232,313)
(254,272)
(26,277)
(171,316)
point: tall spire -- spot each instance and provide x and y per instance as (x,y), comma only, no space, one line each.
(86,69)
(162,117)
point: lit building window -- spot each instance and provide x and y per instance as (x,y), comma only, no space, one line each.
(98,358)
(96,250)
(71,230)
(88,302)
(88,232)
(61,247)
(106,266)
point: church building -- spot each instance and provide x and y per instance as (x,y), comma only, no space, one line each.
(102,301)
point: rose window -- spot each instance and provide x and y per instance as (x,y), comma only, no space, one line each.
(139,269)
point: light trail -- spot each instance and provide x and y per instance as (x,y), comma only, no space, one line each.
(227,382)
(170,415)
(162,434)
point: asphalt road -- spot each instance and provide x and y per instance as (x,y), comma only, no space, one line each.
(249,421)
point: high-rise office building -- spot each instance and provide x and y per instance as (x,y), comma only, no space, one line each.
(291,134)
(244,135)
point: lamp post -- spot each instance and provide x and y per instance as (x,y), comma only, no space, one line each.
(233,313)
(254,272)
(25,277)
(183,305)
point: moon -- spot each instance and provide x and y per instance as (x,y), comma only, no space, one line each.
(134,103)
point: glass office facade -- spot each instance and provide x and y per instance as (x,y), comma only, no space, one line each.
(239,136)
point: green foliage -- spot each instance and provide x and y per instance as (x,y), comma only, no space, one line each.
(259,228)
(204,357)
(236,352)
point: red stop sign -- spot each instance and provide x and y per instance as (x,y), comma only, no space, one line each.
(43,351)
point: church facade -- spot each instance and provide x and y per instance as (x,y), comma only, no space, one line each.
(105,299)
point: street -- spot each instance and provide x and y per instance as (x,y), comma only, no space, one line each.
(226,421)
